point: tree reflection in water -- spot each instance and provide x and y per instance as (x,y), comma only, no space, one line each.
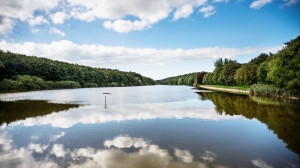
(22,109)
(280,115)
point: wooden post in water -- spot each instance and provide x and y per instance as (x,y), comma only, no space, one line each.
(105,105)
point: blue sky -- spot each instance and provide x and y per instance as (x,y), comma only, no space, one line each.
(157,38)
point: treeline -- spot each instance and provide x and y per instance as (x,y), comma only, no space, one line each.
(272,74)
(29,72)
(187,79)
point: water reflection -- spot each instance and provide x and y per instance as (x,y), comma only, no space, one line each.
(22,109)
(147,127)
(96,114)
(281,116)
(114,154)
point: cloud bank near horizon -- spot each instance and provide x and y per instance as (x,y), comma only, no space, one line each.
(97,55)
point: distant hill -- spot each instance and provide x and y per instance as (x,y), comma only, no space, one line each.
(28,72)
(186,79)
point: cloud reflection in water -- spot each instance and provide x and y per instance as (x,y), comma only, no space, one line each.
(113,155)
(96,114)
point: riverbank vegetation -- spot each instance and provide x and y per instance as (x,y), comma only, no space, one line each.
(21,72)
(267,75)
(238,87)
(187,79)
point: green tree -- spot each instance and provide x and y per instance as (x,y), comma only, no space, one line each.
(284,67)
(246,74)
(229,71)
(179,81)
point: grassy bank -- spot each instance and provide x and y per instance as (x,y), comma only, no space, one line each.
(269,90)
(256,89)
(231,89)
(242,87)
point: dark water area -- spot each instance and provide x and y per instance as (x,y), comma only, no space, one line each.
(148,126)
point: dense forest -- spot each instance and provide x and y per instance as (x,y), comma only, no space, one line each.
(187,79)
(21,72)
(267,74)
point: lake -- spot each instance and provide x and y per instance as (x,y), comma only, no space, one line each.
(147,126)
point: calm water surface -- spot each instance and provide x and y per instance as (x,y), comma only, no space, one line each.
(149,126)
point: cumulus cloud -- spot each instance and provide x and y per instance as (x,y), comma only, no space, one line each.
(183,12)
(57,31)
(95,115)
(208,10)
(6,25)
(35,30)
(124,26)
(58,150)
(260,164)
(38,148)
(10,156)
(144,13)
(59,17)
(126,142)
(290,2)
(209,156)
(65,50)
(37,21)
(215,1)
(259,3)
(184,155)
(21,10)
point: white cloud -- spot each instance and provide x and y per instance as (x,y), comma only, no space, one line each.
(56,137)
(183,12)
(101,55)
(94,115)
(35,30)
(38,148)
(56,31)
(21,10)
(6,25)
(37,21)
(124,26)
(290,2)
(208,10)
(59,17)
(126,142)
(209,156)
(261,164)
(146,12)
(10,156)
(259,3)
(58,150)
(215,1)
(184,155)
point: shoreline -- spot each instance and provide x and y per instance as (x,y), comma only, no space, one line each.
(244,92)
(225,90)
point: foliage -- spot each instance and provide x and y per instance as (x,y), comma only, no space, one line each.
(259,59)
(22,109)
(200,77)
(284,67)
(270,90)
(246,74)
(39,70)
(187,79)
(207,79)
(228,72)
